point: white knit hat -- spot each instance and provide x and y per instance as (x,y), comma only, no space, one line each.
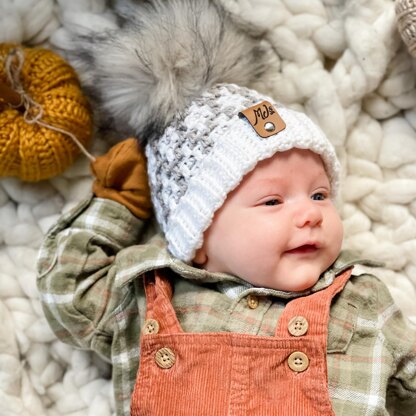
(207,150)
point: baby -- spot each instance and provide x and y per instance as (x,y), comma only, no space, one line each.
(244,304)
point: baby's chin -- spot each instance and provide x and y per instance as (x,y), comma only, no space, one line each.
(302,287)
(294,284)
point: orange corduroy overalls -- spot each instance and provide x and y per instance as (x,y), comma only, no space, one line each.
(224,373)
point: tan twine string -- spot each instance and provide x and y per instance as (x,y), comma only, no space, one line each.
(33,111)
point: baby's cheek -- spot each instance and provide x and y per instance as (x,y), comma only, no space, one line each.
(334,250)
(335,229)
(339,235)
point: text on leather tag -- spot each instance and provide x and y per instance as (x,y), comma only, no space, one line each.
(264,118)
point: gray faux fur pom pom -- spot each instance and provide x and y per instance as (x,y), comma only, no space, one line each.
(164,54)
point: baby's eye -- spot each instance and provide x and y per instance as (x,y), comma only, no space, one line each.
(272,202)
(319,196)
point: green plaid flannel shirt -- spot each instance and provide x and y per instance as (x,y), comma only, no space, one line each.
(89,272)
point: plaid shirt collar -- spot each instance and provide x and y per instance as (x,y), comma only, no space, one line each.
(154,255)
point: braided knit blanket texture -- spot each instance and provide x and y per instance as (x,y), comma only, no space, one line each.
(343,62)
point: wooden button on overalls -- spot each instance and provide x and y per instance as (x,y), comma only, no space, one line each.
(298,326)
(223,374)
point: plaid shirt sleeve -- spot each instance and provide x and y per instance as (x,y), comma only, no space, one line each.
(77,267)
(377,369)
(400,336)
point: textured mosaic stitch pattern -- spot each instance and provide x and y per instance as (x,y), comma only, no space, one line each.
(174,158)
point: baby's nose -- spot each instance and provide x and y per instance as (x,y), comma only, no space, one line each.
(308,214)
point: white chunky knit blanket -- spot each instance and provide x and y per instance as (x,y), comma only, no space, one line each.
(343,62)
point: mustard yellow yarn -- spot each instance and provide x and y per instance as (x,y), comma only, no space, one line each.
(30,151)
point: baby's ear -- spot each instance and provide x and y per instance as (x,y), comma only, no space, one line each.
(200,257)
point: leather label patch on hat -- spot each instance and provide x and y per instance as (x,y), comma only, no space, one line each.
(264,118)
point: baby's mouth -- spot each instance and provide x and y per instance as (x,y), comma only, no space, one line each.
(304,249)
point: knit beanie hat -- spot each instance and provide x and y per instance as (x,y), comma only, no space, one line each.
(175,76)
(207,150)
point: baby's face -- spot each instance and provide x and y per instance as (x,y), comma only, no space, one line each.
(279,228)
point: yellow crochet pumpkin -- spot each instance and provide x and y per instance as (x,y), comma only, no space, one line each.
(32,151)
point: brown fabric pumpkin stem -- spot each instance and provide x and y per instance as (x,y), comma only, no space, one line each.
(10,96)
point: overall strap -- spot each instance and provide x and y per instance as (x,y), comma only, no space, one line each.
(159,308)
(311,313)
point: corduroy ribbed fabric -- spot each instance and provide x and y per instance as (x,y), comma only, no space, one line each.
(230,373)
